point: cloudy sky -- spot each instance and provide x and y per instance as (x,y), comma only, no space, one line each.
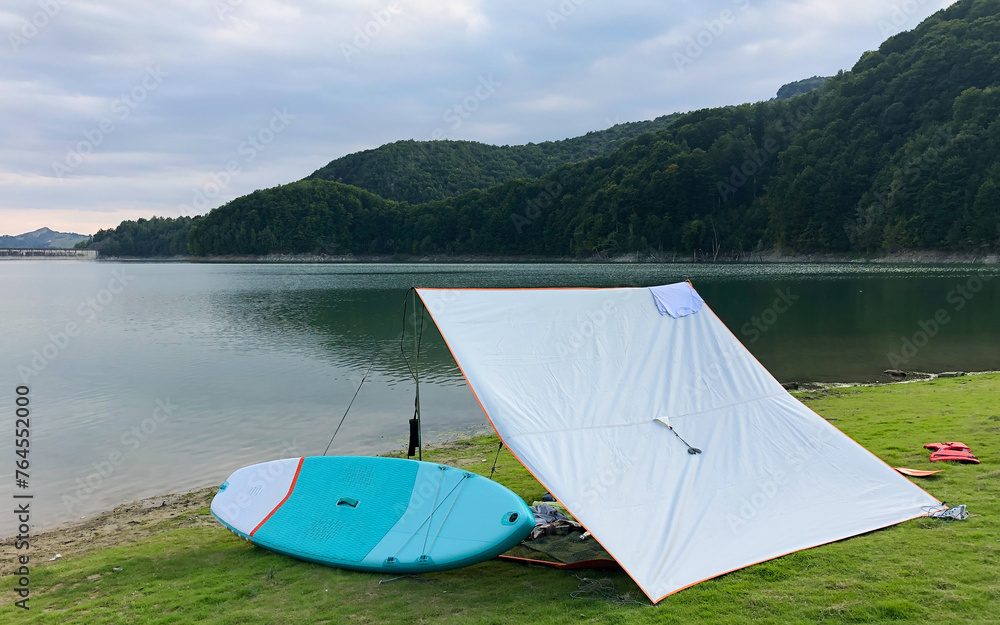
(118,109)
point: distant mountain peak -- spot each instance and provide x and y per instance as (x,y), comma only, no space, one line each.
(43,238)
(799,87)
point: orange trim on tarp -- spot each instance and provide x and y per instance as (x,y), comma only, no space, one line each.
(291,487)
(923,514)
(810,409)
(705,305)
(492,425)
(599,563)
(782,555)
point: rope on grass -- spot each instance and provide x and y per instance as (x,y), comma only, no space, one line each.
(603,590)
(412,576)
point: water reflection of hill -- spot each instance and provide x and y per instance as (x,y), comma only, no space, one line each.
(841,322)
(349,327)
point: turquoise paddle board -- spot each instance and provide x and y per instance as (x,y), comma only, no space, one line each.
(372,514)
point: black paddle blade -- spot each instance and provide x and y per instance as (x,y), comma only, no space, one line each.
(412,449)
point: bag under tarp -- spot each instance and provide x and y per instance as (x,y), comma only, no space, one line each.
(605,401)
(562,551)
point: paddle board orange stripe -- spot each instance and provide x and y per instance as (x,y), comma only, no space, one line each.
(291,487)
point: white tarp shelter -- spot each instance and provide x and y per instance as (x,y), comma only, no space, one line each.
(580,385)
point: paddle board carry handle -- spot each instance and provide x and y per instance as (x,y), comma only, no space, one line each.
(510,518)
(348,501)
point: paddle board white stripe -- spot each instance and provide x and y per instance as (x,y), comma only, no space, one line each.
(253,493)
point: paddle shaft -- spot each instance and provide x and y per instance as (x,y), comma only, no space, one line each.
(416,373)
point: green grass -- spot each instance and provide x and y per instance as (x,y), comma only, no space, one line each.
(917,572)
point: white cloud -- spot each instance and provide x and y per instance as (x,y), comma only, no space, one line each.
(228,70)
(19,97)
(553,102)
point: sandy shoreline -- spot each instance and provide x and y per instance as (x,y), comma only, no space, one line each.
(122,525)
(130,522)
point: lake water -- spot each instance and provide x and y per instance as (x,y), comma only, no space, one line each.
(177,374)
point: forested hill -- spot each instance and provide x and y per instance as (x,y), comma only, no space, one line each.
(424,171)
(902,151)
(659,191)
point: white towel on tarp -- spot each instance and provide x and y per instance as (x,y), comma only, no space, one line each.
(676,300)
